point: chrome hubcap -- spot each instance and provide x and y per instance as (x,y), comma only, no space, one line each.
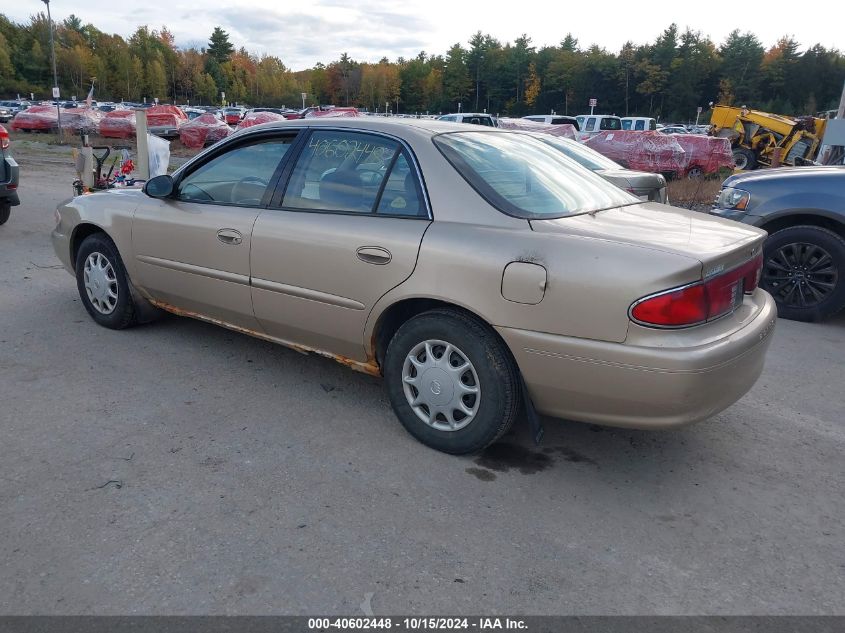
(441,385)
(100,283)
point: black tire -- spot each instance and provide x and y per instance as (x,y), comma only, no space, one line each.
(498,379)
(5,212)
(745,159)
(124,313)
(804,270)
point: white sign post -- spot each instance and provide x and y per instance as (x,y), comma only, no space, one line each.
(303,99)
(697,114)
(593,103)
(58,110)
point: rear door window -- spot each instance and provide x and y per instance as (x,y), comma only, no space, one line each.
(340,171)
(591,125)
(401,193)
(610,123)
(639,125)
(626,125)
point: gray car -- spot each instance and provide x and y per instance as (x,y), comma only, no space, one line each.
(803,209)
(646,186)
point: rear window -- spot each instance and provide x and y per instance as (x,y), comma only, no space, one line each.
(478,120)
(523,177)
(610,123)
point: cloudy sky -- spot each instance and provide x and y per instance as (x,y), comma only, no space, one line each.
(303,33)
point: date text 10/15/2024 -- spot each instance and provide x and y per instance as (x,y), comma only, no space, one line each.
(416,624)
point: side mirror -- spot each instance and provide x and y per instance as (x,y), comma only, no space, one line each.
(159,187)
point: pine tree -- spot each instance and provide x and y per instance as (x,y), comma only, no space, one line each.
(219,47)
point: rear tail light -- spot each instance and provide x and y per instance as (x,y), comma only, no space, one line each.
(4,138)
(699,302)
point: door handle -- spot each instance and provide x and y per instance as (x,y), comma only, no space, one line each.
(374,255)
(230,236)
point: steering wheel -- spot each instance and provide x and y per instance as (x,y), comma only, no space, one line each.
(243,194)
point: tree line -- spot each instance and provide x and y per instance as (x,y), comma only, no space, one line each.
(669,78)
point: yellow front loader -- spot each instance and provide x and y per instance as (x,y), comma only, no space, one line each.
(756,135)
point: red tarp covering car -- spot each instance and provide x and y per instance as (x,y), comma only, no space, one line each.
(165,116)
(81,119)
(704,154)
(37,117)
(334,112)
(203,130)
(564,130)
(642,151)
(257,118)
(118,124)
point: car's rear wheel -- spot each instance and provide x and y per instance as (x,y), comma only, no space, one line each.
(5,212)
(804,270)
(451,381)
(695,172)
(744,159)
(102,284)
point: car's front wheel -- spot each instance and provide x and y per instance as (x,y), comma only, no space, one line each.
(804,270)
(103,287)
(451,381)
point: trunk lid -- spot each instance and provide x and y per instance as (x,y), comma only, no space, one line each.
(717,243)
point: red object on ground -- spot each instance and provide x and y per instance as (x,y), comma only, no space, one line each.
(643,151)
(37,117)
(165,116)
(707,153)
(564,130)
(334,112)
(203,130)
(232,118)
(118,124)
(257,118)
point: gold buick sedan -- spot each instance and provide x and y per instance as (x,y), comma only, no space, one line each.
(481,272)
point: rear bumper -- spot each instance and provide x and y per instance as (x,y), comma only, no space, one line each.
(657,383)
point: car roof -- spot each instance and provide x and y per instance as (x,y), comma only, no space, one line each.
(388,125)
(469,114)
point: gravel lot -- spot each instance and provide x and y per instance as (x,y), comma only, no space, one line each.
(180,468)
